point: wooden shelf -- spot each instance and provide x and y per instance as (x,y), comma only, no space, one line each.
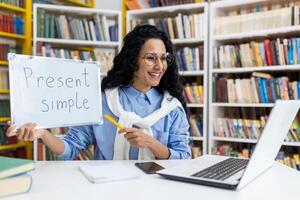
(199,76)
(74,44)
(191,73)
(187,41)
(258,34)
(251,141)
(13,146)
(196,138)
(77,3)
(25,41)
(13,8)
(4,91)
(221,37)
(4,119)
(12,35)
(294,144)
(243,104)
(228,139)
(3,62)
(253,69)
(79,42)
(167,9)
(194,105)
(77,10)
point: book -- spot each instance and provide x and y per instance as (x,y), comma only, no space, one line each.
(15,185)
(13,166)
(108,172)
(133,5)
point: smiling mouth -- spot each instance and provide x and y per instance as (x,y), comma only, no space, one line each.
(154,74)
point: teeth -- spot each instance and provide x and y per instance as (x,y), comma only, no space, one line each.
(154,74)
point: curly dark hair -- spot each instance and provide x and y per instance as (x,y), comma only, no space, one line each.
(125,63)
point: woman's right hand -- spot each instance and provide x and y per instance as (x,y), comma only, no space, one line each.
(24,133)
(27,132)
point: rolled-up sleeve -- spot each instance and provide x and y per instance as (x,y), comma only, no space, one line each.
(178,143)
(78,138)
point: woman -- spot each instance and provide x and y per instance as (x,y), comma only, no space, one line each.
(143,92)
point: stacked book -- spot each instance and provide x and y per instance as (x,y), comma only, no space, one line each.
(13,176)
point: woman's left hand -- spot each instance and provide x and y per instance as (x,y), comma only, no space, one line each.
(136,137)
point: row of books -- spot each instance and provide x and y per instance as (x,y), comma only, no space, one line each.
(292,160)
(87,154)
(104,56)
(196,151)
(8,48)
(239,128)
(95,28)
(196,125)
(190,59)
(4,82)
(234,150)
(256,90)
(3,138)
(84,1)
(249,128)
(18,3)
(181,26)
(11,24)
(193,93)
(4,108)
(44,153)
(14,152)
(136,4)
(261,19)
(160,3)
(265,53)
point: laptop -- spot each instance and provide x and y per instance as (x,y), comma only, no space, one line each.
(235,173)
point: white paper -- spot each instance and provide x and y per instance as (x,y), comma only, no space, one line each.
(102,173)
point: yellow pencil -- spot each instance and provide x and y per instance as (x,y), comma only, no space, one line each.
(113,121)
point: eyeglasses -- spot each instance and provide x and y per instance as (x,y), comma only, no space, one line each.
(151,59)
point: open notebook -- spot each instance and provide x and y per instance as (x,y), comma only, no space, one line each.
(108,172)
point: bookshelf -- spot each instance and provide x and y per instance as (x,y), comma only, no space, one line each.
(77,3)
(87,35)
(229,44)
(16,39)
(192,45)
(80,3)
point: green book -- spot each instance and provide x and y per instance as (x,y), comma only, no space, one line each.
(13,166)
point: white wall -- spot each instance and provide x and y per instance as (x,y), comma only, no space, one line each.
(109,4)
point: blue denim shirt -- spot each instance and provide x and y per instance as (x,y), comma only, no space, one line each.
(171,130)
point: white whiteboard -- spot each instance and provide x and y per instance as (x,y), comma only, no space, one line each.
(54,92)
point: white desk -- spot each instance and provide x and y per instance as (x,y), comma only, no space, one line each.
(63,180)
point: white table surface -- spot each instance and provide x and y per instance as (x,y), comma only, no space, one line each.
(54,180)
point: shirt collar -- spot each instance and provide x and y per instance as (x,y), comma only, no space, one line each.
(151,94)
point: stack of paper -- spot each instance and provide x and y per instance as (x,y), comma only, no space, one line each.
(108,172)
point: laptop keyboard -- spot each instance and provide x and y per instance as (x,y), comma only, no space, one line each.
(223,169)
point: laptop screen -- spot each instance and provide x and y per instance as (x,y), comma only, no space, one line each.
(276,129)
